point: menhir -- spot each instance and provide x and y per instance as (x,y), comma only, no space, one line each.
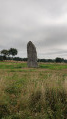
(32,55)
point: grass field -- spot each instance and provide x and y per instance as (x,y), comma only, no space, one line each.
(33,93)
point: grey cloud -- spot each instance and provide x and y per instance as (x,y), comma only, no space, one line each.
(43,22)
(54,36)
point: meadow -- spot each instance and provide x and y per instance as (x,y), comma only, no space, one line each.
(33,93)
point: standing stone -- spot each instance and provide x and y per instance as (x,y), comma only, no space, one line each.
(32,55)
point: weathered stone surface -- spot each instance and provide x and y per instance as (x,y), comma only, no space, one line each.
(32,55)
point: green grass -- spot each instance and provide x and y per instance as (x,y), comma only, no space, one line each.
(53,66)
(33,93)
(11,65)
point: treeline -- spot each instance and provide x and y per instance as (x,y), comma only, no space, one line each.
(57,60)
(10,55)
(2,58)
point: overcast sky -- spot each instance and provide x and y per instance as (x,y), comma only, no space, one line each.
(44,22)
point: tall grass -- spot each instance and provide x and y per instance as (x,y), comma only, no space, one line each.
(33,94)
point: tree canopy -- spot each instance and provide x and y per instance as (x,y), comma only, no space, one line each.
(13,51)
(5,52)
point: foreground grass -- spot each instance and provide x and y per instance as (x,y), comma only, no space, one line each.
(29,93)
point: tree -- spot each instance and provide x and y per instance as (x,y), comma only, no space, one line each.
(59,60)
(13,51)
(4,53)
